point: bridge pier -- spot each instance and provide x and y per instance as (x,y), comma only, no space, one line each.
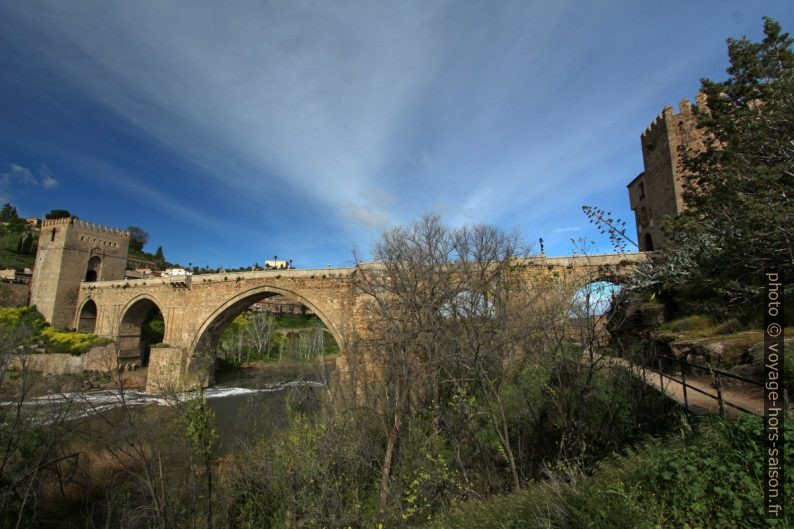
(171,371)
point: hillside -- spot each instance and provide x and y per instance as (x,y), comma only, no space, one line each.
(14,251)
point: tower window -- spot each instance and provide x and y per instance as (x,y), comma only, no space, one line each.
(92,272)
(642,190)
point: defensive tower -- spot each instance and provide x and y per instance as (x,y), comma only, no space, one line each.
(657,192)
(70,252)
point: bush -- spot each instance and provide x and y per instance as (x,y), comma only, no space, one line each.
(13,317)
(709,479)
(72,342)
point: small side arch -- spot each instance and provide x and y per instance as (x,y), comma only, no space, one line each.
(87,316)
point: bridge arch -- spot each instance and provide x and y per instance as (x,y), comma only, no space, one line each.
(87,316)
(224,314)
(132,341)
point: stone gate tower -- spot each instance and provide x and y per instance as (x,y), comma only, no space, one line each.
(70,252)
(657,192)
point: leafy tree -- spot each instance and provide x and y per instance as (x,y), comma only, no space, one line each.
(158,255)
(25,246)
(8,213)
(58,214)
(138,238)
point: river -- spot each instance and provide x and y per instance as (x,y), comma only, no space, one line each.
(248,402)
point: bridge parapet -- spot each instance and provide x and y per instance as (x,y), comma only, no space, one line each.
(226,277)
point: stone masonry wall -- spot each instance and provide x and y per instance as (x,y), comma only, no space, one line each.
(14,294)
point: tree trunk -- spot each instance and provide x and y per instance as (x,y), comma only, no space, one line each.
(385,480)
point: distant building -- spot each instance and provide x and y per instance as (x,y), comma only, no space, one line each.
(135,264)
(657,192)
(280,305)
(141,273)
(277,263)
(10,275)
(33,221)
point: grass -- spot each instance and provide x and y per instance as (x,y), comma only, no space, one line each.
(699,326)
(9,239)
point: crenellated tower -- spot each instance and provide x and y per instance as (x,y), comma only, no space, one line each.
(657,192)
(72,251)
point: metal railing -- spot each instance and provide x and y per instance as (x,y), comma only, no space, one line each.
(717,375)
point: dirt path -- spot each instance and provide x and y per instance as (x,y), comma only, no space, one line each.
(746,396)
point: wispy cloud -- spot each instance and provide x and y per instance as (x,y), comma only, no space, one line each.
(16,180)
(46,178)
(362,115)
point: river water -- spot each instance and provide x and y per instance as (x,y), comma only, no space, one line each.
(248,403)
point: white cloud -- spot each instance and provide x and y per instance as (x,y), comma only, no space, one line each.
(361,215)
(567,229)
(16,175)
(16,180)
(46,178)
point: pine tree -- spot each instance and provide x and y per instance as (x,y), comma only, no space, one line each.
(8,213)
(159,256)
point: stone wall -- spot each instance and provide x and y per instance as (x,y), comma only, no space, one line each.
(14,294)
(101,358)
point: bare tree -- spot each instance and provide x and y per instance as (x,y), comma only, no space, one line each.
(259,333)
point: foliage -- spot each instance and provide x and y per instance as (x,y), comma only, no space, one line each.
(138,238)
(153,328)
(18,242)
(317,473)
(41,335)
(29,317)
(8,213)
(608,225)
(709,478)
(260,337)
(72,342)
(58,214)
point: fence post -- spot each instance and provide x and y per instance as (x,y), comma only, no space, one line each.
(661,378)
(683,383)
(719,394)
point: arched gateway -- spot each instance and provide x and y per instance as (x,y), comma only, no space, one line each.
(194,308)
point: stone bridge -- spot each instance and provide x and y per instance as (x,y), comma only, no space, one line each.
(195,311)
(77,282)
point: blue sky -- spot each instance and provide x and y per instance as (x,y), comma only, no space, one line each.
(234,131)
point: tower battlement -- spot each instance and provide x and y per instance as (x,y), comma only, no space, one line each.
(83,225)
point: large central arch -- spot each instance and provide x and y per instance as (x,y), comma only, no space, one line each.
(225,313)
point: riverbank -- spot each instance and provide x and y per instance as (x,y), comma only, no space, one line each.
(37,384)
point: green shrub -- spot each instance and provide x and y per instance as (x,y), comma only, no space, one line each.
(13,317)
(710,480)
(72,342)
